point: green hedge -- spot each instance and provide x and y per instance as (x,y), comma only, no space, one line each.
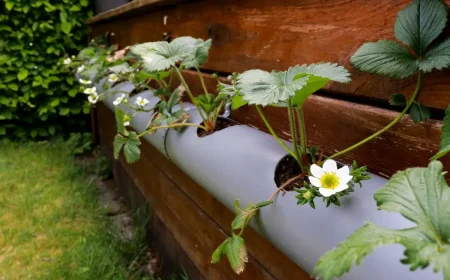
(37,98)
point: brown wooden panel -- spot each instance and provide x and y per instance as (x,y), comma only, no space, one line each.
(169,252)
(271,34)
(131,8)
(275,262)
(335,125)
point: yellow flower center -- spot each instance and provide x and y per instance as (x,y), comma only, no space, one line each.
(329,181)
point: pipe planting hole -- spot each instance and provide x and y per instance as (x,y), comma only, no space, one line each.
(286,169)
(221,124)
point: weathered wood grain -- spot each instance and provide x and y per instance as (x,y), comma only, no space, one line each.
(131,8)
(271,34)
(266,256)
(170,253)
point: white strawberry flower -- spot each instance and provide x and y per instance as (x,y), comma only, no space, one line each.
(119,99)
(93,98)
(92,90)
(141,102)
(329,179)
(112,78)
(67,61)
(80,69)
(85,82)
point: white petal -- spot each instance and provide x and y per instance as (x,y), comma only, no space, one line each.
(326,192)
(314,181)
(341,187)
(330,166)
(316,171)
(115,102)
(344,179)
(343,171)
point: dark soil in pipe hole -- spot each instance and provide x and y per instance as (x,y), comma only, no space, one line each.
(286,169)
(221,123)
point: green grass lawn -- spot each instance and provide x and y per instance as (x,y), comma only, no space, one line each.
(51,226)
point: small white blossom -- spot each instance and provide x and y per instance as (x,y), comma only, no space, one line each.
(92,90)
(67,61)
(31,44)
(93,98)
(126,123)
(85,82)
(80,69)
(73,57)
(329,179)
(35,67)
(119,100)
(229,77)
(141,102)
(112,78)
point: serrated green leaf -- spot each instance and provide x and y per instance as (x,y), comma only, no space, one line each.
(23,74)
(237,102)
(159,56)
(312,85)
(398,99)
(220,251)
(119,121)
(198,55)
(263,88)
(130,146)
(438,57)
(118,143)
(331,71)
(420,195)
(419,112)
(236,253)
(445,137)
(420,23)
(244,216)
(385,58)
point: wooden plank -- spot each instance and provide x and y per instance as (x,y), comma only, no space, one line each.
(265,253)
(133,7)
(170,253)
(335,125)
(269,34)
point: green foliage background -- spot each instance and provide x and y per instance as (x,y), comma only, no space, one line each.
(37,98)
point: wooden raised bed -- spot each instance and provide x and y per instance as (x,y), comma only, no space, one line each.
(274,35)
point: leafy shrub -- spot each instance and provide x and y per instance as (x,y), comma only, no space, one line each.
(37,99)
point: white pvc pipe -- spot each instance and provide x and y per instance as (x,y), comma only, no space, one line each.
(239,163)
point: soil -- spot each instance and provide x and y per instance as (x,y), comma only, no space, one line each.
(286,169)
(221,123)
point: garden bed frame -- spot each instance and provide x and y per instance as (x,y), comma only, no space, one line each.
(263,34)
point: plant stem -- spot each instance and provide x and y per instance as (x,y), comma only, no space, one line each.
(294,132)
(263,117)
(391,124)
(288,182)
(202,81)
(301,122)
(164,83)
(216,113)
(191,96)
(171,77)
(171,126)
